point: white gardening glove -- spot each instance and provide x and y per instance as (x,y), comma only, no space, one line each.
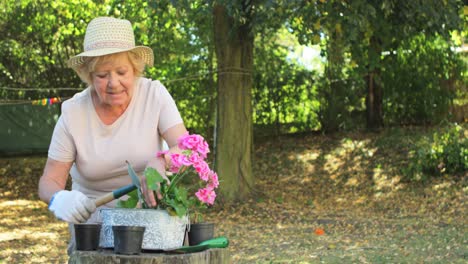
(72,206)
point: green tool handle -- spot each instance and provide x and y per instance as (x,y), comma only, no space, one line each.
(217,242)
(123,191)
(114,195)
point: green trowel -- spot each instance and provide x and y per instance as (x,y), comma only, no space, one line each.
(218,242)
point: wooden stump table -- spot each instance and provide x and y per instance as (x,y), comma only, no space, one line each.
(211,256)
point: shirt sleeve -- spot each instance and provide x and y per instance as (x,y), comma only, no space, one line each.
(169,115)
(61,146)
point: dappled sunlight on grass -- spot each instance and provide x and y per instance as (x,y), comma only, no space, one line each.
(442,186)
(23,203)
(27,234)
(355,169)
(30,234)
(307,156)
(348,185)
(383,181)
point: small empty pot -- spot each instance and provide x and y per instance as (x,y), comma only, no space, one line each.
(128,239)
(87,236)
(200,232)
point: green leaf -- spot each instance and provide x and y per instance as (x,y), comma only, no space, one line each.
(131,202)
(181,195)
(179,207)
(152,178)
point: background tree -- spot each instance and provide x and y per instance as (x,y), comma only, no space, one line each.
(234,53)
(284,91)
(217,58)
(236,24)
(371,27)
(38,38)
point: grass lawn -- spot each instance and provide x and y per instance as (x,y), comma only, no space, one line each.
(318,199)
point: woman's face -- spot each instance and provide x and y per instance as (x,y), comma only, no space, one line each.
(114,81)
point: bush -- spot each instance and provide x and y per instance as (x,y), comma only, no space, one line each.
(446,152)
(420,81)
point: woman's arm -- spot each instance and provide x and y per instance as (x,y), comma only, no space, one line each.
(171,136)
(70,206)
(54,178)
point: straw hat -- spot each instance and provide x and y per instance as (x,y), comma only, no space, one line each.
(107,35)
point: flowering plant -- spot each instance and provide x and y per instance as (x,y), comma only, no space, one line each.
(174,196)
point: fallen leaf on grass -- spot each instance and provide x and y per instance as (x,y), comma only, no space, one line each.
(319,232)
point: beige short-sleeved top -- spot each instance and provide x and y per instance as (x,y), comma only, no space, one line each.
(99,151)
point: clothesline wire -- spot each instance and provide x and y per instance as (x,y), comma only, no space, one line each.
(223,71)
(22,102)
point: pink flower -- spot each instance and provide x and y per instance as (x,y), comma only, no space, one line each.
(202,169)
(203,149)
(188,141)
(206,195)
(195,158)
(175,162)
(213,182)
(192,158)
(194,142)
(184,160)
(161,153)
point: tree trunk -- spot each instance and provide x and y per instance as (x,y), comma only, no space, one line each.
(373,103)
(374,98)
(211,122)
(334,108)
(234,51)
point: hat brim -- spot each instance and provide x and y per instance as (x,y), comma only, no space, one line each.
(145,53)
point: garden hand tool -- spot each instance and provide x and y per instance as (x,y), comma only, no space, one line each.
(218,242)
(136,182)
(115,194)
(71,206)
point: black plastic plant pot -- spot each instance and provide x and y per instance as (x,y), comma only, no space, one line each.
(128,239)
(87,236)
(200,232)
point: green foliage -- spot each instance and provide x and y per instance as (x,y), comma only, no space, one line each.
(153,178)
(445,152)
(39,36)
(341,107)
(131,202)
(365,29)
(420,78)
(284,93)
(174,198)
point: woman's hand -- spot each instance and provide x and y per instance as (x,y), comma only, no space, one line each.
(148,195)
(72,206)
(159,164)
(69,206)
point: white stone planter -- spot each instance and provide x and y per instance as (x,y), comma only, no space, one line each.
(162,230)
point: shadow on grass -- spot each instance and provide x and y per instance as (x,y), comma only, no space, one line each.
(349,185)
(29,234)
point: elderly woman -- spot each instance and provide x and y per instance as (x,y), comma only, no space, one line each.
(120,116)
